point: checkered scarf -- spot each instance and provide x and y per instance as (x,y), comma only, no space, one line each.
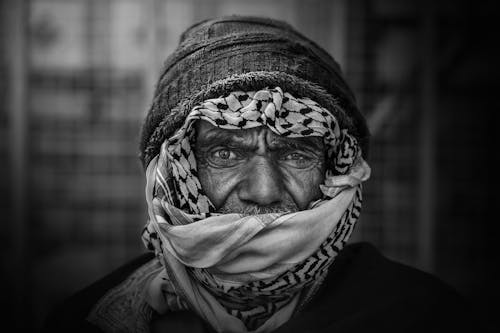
(244,273)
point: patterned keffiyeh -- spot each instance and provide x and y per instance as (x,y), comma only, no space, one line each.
(248,273)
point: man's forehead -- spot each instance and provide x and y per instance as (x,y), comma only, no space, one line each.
(209,134)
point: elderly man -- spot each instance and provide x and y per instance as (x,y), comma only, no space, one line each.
(254,152)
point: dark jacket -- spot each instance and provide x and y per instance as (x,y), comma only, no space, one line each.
(363,292)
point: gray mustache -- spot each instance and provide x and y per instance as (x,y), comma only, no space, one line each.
(286,207)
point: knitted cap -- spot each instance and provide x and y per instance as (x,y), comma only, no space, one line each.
(218,56)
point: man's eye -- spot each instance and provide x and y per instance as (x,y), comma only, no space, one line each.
(299,160)
(224,157)
(225,154)
(295,157)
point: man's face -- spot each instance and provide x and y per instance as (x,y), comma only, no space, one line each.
(256,171)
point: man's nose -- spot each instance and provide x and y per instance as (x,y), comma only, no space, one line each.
(263,184)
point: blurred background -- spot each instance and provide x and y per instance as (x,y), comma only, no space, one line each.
(77,77)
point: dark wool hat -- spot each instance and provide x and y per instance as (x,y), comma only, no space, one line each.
(218,56)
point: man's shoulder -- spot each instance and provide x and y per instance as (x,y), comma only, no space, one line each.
(364,265)
(71,314)
(365,289)
(373,278)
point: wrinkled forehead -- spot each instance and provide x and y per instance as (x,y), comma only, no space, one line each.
(207,134)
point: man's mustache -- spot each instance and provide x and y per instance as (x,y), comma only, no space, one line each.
(284,207)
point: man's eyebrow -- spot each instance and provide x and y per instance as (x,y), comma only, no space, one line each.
(315,143)
(217,136)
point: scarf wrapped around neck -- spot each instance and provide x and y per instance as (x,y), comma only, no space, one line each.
(248,273)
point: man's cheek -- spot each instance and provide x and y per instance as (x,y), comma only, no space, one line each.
(303,186)
(314,179)
(217,184)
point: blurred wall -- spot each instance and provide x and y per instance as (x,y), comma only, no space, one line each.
(77,79)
